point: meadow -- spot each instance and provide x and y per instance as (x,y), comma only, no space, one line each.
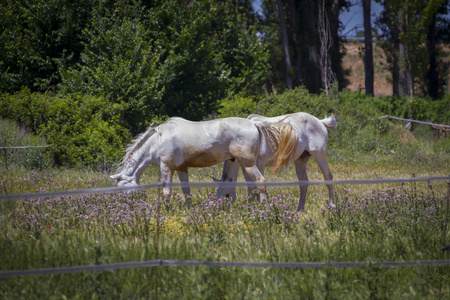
(370,223)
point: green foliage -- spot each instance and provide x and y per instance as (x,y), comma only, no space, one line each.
(83,130)
(436,111)
(159,59)
(295,100)
(167,60)
(237,106)
(36,36)
(123,72)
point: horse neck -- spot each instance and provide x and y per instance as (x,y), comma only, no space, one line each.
(142,156)
(230,170)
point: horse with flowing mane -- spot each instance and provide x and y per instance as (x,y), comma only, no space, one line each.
(312,142)
(178,144)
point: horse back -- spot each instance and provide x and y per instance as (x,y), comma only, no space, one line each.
(199,144)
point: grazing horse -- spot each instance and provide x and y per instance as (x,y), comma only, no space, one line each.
(312,142)
(179,144)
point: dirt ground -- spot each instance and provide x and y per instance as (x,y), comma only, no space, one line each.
(382,77)
(353,61)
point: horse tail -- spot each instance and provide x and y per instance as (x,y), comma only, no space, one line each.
(283,141)
(330,122)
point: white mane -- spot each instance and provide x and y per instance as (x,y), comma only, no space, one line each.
(136,144)
(141,139)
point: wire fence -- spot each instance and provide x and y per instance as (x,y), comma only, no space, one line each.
(217,184)
(186,263)
(415,121)
(26,147)
(5,149)
(220,264)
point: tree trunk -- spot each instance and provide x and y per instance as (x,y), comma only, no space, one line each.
(368,49)
(403,74)
(432,76)
(313,48)
(326,42)
(335,52)
(292,16)
(401,57)
(395,35)
(285,46)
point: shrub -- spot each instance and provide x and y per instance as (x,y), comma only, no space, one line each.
(83,130)
(295,100)
(237,106)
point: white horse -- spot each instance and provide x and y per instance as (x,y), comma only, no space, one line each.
(179,144)
(312,141)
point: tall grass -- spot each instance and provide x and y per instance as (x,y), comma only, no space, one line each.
(33,158)
(369,224)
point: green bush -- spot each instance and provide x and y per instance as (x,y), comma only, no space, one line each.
(237,106)
(125,73)
(84,130)
(295,100)
(90,130)
(359,126)
(436,111)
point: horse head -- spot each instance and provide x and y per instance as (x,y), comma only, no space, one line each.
(124,180)
(227,191)
(229,174)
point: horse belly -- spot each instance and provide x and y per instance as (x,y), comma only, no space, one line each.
(201,159)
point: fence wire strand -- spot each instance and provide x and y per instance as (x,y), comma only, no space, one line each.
(216,184)
(219,264)
(414,121)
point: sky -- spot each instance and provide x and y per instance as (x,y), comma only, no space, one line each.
(353,20)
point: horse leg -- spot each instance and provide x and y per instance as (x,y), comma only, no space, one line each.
(252,174)
(184,178)
(229,174)
(167,174)
(300,169)
(321,159)
(261,167)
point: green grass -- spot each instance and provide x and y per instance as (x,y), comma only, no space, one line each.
(235,234)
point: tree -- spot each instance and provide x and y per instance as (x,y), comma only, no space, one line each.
(303,42)
(313,67)
(437,32)
(326,43)
(172,59)
(285,45)
(119,64)
(294,23)
(406,24)
(368,49)
(38,36)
